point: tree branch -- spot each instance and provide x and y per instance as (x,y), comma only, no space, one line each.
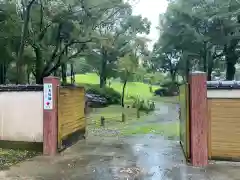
(215,55)
(43,32)
(85,9)
(57,45)
(57,63)
(110,16)
(75,54)
(26,16)
(41,15)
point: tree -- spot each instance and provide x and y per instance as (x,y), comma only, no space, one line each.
(63,35)
(117,38)
(127,67)
(9,37)
(204,30)
(129,63)
(57,33)
(167,61)
(26,7)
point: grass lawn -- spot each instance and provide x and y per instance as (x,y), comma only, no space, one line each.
(9,157)
(113,115)
(132,89)
(132,125)
(166,129)
(173,99)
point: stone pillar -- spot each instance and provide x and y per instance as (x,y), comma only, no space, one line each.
(50,124)
(198,119)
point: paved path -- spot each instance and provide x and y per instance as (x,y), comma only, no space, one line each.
(139,157)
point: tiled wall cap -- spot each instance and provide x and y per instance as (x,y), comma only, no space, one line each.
(197,72)
(51,77)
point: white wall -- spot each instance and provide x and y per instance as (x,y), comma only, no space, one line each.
(21,116)
(219,93)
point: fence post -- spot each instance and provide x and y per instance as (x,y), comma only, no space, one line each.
(102,121)
(198,119)
(50,124)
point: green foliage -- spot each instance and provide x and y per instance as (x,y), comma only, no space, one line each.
(168,88)
(92,33)
(112,96)
(142,104)
(154,78)
(198,35)
(132,88)
(81,66)
(127,66)
(169,84)
(139,74)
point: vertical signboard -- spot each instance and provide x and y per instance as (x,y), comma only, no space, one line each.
(48,99)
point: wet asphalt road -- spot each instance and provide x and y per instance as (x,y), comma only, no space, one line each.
(138,157)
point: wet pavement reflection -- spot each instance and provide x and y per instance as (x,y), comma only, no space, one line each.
(138,157)
(147,157)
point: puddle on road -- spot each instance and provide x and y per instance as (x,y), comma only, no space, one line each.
(154,159)
(144,157)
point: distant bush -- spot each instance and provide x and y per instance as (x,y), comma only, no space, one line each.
(168,88)
(169,83)
(143,105)
(112,96)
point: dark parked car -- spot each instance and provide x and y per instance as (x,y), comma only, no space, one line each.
(167,91)
(94,100)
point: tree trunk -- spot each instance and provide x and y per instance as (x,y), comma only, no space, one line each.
(64,73)
(103,77)
(3,73)
(230,73)
(209,71)
(150,88)
(39,65)
(20,66)
(183,77)
(231,59)
(28,75)
(187,71)
(173,75)
(123,92)
(209,66)
(28,78)
(209,74)
(205,57)
(102,80)
(72,74)
(39,80)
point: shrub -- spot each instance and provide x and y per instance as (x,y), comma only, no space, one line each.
(112,96)
(143,105)
(168,88)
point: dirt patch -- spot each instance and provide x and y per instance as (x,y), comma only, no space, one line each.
(9,157)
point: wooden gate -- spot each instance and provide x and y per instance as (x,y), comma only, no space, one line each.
(184,119)
(224,128)
(71,116)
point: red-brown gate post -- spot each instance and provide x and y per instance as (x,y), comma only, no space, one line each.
(50,124)
(198,119)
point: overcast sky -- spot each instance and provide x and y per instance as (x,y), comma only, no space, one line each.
(151,10)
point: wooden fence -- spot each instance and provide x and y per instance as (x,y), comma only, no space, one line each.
(71,116)
(184,118)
